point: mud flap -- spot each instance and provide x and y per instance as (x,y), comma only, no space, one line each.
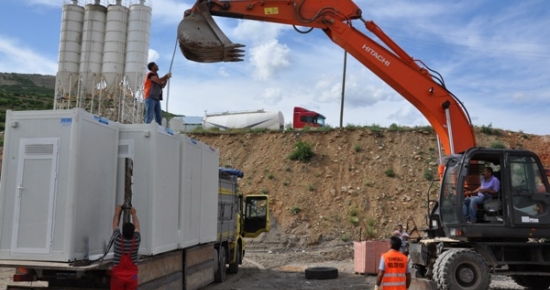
(202,40)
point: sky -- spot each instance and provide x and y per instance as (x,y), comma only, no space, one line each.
(494,56)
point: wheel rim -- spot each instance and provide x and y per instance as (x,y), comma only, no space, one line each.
(466,275)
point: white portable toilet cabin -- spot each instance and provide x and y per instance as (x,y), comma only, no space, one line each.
(58,185)
(155,152)
(198,192)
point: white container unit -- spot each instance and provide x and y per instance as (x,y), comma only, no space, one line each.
(58,185)
(198,192)
(209,193)
(155,152)
(190,191)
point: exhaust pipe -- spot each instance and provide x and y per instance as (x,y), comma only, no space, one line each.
(201,39)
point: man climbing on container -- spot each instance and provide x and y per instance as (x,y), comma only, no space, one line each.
(152,93)
(393,271)
(125,270)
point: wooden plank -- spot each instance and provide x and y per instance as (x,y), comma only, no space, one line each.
(199,266)
(198,254)
(159,266)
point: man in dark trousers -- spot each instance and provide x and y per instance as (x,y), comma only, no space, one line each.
(393,271)
(125,270)
(152,93)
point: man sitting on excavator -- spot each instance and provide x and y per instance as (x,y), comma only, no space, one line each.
(490,186)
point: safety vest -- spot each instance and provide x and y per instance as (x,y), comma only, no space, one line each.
(147,85)
(396,269)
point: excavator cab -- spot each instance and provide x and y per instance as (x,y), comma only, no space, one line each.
(520,209)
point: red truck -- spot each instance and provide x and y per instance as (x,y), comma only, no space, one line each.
(304,117)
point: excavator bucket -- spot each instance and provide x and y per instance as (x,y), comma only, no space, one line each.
(201,39)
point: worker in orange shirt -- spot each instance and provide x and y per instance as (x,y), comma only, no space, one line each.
(393,271)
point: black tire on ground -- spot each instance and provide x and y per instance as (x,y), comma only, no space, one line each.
(234,267)
(533,282)
(321,273)
(220,274)
(461,269)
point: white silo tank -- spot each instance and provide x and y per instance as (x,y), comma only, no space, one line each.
(115,43)
(91,56)
(69,50)
(137,45)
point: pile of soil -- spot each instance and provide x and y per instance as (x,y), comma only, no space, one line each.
(359,184)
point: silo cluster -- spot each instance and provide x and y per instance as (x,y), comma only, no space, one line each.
(103,51)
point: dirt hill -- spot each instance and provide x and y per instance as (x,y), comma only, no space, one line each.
(358,178)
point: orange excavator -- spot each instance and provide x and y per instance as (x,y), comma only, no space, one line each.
(505,234)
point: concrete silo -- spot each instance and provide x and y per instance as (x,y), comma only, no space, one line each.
(69,55)
(114,51)
(91,56)
(137,49)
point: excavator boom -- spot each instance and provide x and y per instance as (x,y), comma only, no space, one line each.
(202,40)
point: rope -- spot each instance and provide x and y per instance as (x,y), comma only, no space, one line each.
(168,85)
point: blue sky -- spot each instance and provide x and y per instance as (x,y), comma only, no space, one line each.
(494,56)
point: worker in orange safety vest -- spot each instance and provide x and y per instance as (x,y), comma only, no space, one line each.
(393,271)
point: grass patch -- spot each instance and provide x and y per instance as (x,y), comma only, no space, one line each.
(389,173)
(303,152)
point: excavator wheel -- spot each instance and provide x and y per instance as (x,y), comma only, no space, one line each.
(461,269)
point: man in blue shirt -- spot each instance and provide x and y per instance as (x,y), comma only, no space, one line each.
(490,186)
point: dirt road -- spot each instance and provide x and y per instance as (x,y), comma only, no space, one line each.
(285,270)
(264,269)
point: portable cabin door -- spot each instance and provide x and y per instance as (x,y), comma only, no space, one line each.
(35,195)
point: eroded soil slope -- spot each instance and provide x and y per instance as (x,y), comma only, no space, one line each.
(347,188)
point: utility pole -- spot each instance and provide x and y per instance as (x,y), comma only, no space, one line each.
(343,89)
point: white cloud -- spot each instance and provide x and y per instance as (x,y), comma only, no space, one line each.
(153,55)
(269,59)
(15,57)
(271,96)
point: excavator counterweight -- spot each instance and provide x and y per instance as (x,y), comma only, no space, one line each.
(201,39)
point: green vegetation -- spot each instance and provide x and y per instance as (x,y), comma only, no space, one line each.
(23,94)
(376,130)
(345,237)
(303,152)
(310,187)
(389,173)
(294,210)
(357,148)
(264,191)
(370,227)
(489,130)
(270,176)
(428,175)
(498,145)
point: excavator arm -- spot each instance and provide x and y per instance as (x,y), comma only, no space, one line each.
(201,40)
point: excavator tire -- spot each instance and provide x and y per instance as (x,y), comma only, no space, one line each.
(533,282)
(321,273)
(461,269)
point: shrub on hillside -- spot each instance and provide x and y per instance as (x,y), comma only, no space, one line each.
(303,152)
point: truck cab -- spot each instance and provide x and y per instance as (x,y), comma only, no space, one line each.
(304,117)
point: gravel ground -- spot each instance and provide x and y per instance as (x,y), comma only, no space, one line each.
(263,269)
(285,270)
